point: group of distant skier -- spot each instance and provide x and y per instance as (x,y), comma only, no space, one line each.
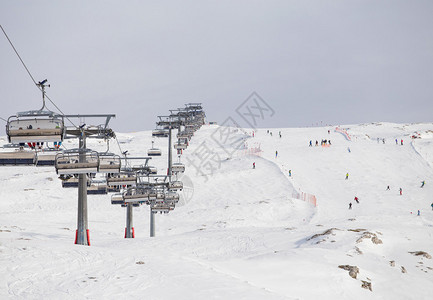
(270,133)
(323,142)
(400,190)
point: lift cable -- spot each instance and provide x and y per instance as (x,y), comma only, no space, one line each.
(31,76)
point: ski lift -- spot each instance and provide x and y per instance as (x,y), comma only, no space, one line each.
(152,170)
(175,185)
(180,146)
(109,163)
(77,161)
(45,159)
(172,196)
(160,133)
(156,195)
(184,135)
(70,181)
(21,157)
(136,194)
(122,178)
(178,167)
(97,188)
(161,208)
(117,199)
(35,126)
(154,151)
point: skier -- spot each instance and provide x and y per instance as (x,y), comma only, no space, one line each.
(383,141)
(290,173)
(401,191)
(311,144)
(402,142)
(317,143)
(329,141)
(276,154)
(347,176)
(279,134)
(387,188)
(422,183)
(329,132)
(254,165)
(348,149)
(356,199)
(419,213)
(396,141)
(350,205)
(432,206)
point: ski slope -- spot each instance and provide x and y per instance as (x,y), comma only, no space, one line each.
(237,233)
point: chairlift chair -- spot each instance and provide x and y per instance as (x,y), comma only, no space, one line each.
(35,126)
(17,158)
(178,167)
(154,151)
(161,208)
(72,182)
(175,185)
(160,133)
(77,161)
(97,189)
(136,194)
(117,198)
(172,196)
(45,159)
(180,146)
(109,163)
(122,178)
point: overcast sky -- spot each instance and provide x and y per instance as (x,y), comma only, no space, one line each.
(335,62)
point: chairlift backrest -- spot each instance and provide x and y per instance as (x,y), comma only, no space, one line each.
(77,161)
(109,163)
(36,127)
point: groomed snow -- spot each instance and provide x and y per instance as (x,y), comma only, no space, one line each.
(241,235)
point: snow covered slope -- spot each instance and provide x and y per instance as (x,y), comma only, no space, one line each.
(238,233)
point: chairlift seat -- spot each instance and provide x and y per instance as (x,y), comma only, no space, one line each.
(45,159)
(175,185)
(77,162)
(154,152)
(37,127)
(117,199)
(122,179)
(180,146)
(109,163)
(22,157)
(178,168)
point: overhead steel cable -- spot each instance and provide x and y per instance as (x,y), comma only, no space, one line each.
(31,76)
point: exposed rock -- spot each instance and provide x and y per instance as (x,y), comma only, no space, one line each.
(327,232)
(366,285)
(392,263)
(140,262)
(369,235)
(421,253)
(403,269)
(376,240)
(358,250)
(357,230)
(353,270)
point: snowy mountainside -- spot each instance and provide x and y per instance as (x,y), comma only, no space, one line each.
(239,233)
